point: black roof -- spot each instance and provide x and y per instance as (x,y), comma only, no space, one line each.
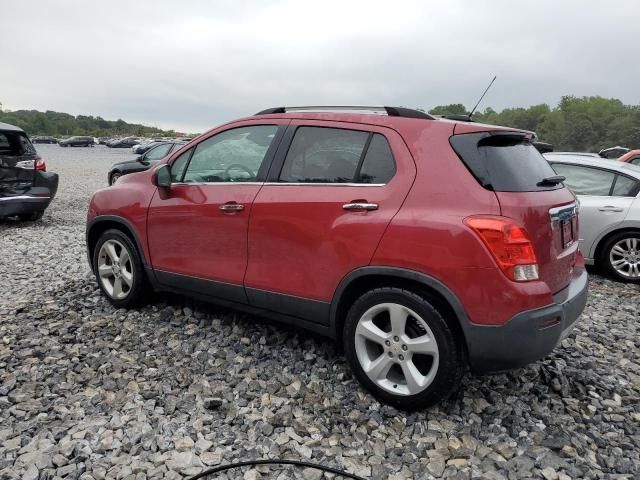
(10,128)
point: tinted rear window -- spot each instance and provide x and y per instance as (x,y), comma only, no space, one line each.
(503,162)
(15,143)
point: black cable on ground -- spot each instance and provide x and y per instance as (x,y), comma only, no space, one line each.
(296,463)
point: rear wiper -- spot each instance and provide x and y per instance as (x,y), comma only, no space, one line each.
(551,181)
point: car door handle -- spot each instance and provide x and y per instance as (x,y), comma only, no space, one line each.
(360,206)
(611,208)
(231,207)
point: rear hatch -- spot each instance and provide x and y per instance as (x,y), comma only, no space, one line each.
(17,163)
(529,192)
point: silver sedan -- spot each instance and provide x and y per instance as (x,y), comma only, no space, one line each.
(608,192)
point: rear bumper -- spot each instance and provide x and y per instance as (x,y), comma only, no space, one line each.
(530,335)
(36,198)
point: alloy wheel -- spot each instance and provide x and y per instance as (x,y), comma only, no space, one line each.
(115,269)
(624,257)
(396,349)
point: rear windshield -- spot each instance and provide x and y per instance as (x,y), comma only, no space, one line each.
(15,143)
(504,162)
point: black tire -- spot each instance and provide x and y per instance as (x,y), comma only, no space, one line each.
(604,261)
(139,290)
(32,217)
(451,363)
(113,177)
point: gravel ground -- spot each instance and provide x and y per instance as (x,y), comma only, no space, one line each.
(87,391)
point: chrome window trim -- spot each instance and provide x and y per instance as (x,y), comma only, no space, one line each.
(22,197)
(326,184)
(217,183)
(271,184)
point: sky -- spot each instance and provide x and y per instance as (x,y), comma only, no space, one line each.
(191,65)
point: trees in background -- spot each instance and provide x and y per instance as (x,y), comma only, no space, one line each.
(59,124)
(576,124)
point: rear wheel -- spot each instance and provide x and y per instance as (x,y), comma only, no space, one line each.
(119,270)
(401,349)
(620,257)
(114,176)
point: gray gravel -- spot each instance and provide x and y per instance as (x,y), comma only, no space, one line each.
(87,391)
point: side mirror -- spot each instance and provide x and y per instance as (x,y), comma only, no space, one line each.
(162,176)
(140,158)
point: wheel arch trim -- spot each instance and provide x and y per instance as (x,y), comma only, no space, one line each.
(604,236)
(403,274)
(123,222)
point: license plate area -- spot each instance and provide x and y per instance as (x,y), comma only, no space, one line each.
(566,232)
(564,222)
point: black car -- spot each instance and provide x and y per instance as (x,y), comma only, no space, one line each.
(26,188)
(77,142)
(124,142)
(143,162)
(44,139)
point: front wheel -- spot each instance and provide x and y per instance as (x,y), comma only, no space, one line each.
(620,257)
(401,349)
(119,270)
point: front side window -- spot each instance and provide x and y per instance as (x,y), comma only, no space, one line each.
(586,180)
(158,152)
(179,164)
(635,161)
(231,156)
(335,155)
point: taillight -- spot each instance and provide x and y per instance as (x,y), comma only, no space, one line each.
(509,244)
(40,164)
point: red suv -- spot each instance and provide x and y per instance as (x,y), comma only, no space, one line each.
(423,245)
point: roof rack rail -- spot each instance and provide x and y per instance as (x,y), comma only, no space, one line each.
(390,111)
(459,118)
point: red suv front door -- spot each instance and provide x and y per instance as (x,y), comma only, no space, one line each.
(323,212)
(197,229)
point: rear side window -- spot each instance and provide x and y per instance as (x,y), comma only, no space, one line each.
(378,165)
(336,155)
(158,152)
(586,180)
(503,162)
(625,187)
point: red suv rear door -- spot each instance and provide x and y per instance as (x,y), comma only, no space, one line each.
(197,229)
(333,189)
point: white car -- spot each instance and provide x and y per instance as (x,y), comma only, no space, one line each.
(608,192)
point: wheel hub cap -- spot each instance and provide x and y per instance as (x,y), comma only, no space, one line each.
(625,257)
(115,269)
(396,349)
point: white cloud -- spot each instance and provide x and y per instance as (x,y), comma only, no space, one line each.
(192,65)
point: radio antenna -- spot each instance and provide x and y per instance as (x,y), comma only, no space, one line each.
(485,92)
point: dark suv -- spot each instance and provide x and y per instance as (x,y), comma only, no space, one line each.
(423,245)
(26,188)
(77,142)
